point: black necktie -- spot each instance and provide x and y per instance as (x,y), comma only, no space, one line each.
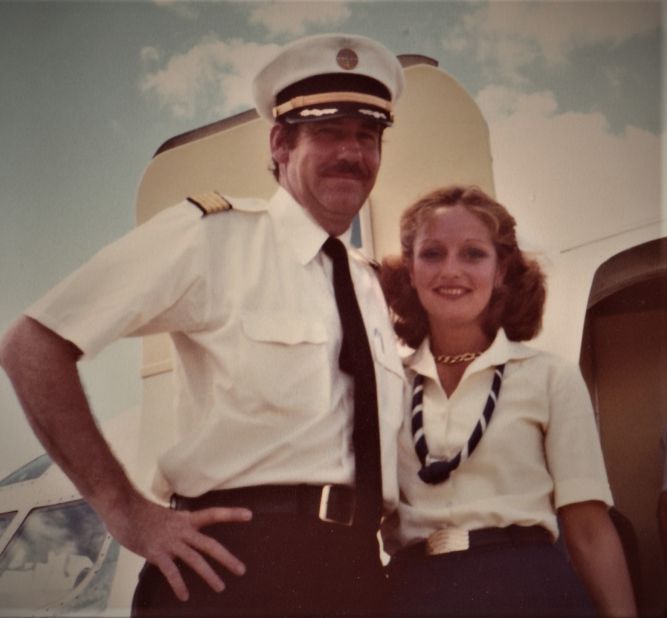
(356,359)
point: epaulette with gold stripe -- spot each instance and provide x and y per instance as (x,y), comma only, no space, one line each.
(209,202)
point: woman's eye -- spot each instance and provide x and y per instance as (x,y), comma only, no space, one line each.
(473,253)
(430,254)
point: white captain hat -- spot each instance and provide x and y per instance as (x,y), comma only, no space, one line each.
(328,76)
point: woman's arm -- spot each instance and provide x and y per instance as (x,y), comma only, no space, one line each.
(597,555)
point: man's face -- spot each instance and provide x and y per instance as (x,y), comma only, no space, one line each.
(331,168)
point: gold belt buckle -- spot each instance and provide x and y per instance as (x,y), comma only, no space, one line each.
(323,512)
(447,540)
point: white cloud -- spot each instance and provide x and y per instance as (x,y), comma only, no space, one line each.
(214,76)
(499,104)
(510,35)
(566,176)
(294,17)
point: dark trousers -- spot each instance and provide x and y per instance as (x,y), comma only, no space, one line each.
(296,566)
(528,580)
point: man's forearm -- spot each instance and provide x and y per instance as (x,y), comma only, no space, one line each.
(42,368)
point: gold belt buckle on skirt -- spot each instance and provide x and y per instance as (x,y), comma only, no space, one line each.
(447,540)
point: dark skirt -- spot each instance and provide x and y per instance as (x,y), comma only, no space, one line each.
(527,580)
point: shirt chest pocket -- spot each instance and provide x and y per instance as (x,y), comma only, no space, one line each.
(283,364)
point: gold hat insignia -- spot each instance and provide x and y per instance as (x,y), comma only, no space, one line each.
(347,59)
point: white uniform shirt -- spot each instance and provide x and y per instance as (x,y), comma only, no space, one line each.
(540,451)
(248,298)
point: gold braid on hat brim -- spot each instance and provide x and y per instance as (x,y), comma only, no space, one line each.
(332,97)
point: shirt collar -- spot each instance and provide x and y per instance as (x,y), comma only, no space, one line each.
(297,228)
(500,351)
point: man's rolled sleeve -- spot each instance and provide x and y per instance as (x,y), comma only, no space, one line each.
(152,271)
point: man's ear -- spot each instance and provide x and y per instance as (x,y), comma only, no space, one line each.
(279,148)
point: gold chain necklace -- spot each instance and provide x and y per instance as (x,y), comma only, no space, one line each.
(454,359)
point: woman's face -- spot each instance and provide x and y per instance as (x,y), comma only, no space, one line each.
(454,267)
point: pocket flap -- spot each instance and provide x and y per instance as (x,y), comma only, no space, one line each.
(290,330)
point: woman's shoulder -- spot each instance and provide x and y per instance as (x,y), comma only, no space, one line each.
(556,370)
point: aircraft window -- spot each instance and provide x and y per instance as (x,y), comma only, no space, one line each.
(32,470)
(5,520)
(51,556)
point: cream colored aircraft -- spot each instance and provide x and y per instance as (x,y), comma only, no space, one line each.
(607,309)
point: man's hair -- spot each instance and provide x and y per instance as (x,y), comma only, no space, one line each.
(516,305)
(291,137)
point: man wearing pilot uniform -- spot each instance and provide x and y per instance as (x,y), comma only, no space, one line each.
(275,483)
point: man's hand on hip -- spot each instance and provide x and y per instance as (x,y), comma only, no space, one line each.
(164,536)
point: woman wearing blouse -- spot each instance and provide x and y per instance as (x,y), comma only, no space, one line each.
(499,444)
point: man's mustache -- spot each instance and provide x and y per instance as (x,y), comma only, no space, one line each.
(346,168)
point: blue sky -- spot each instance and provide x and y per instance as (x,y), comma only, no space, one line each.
(91,89)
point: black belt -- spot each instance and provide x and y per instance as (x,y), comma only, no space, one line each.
(455,539)
(328,503)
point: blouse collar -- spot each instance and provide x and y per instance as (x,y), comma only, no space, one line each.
(499,352)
